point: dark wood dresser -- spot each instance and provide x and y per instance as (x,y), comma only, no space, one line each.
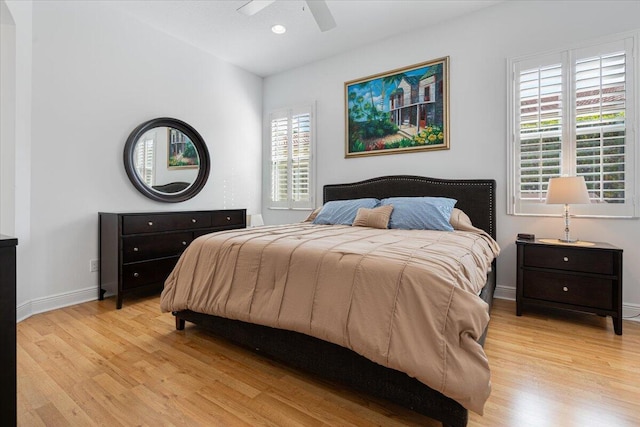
(8,393)
(582,277)
(139,249)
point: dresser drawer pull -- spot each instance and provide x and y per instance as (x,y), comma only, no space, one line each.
(135,249)
(136,275)
(564,288)
(150,223)
(194,220)
(565,259)
(228,218)
(184,243)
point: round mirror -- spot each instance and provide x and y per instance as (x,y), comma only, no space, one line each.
(166,160)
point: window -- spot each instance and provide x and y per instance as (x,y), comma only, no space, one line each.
(573,113)
(291,141)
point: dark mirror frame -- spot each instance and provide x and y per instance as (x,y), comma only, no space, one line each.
(196,139)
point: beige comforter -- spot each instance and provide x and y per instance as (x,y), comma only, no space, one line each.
(404,299)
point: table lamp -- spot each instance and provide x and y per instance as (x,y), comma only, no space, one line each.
(567,190)
(255,220)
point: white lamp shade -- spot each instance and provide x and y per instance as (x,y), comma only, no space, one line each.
(567,190)
(254,220)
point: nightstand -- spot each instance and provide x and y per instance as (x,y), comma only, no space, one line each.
(584,277)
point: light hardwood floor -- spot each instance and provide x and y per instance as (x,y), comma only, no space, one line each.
(90,364)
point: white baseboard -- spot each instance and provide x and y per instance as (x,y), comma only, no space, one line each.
(631,312)
(505,292)
(628,310)
(40,305)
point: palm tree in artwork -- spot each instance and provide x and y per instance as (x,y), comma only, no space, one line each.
(389,82)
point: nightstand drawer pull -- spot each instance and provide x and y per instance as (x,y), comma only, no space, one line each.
(194,220)
(228,218)
(184,243)
(135,249)
(150,223)
(564,288)
(136,275)
(565,259)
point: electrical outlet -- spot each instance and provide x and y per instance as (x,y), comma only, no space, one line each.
(94,265)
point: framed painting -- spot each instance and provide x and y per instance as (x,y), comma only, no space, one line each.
(398,111)
(181,151)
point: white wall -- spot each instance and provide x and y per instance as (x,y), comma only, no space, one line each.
(15,169)
(96,76)
(7,119)
(478,46)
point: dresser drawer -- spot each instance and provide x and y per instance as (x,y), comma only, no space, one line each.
(146,273)
(569,289)
(204,231)
(222,218)
(136,224)
(144,247)
(576,260)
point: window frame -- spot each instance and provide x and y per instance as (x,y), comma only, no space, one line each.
(289,113)
(567,56)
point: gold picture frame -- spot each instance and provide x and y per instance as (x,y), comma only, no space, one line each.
(398,111)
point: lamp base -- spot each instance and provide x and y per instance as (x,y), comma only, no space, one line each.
(560,242)
(568,240)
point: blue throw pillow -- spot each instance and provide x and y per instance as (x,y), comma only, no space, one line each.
(420,213)
(343,212)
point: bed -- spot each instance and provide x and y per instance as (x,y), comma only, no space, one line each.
(330,357)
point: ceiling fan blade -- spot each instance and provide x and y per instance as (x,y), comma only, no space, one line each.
(321,14)
(253,6)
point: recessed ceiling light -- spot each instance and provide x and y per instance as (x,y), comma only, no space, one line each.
(279,29)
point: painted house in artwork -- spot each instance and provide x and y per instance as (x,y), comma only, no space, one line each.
(415,101)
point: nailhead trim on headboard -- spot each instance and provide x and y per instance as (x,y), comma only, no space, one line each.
(479,207)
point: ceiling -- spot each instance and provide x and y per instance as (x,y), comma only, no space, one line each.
(247,41)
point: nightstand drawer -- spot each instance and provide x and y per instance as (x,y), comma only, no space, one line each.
(575,260)
(145,247)
(569,289)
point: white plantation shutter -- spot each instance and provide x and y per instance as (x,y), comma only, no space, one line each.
(300,157)
(573,114)
(144,160)
(600,125)
(280,161)
(291,159)
(540,129)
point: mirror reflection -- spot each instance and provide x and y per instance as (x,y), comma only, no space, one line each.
(166,160)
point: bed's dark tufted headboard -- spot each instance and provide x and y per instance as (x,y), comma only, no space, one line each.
(476,197)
